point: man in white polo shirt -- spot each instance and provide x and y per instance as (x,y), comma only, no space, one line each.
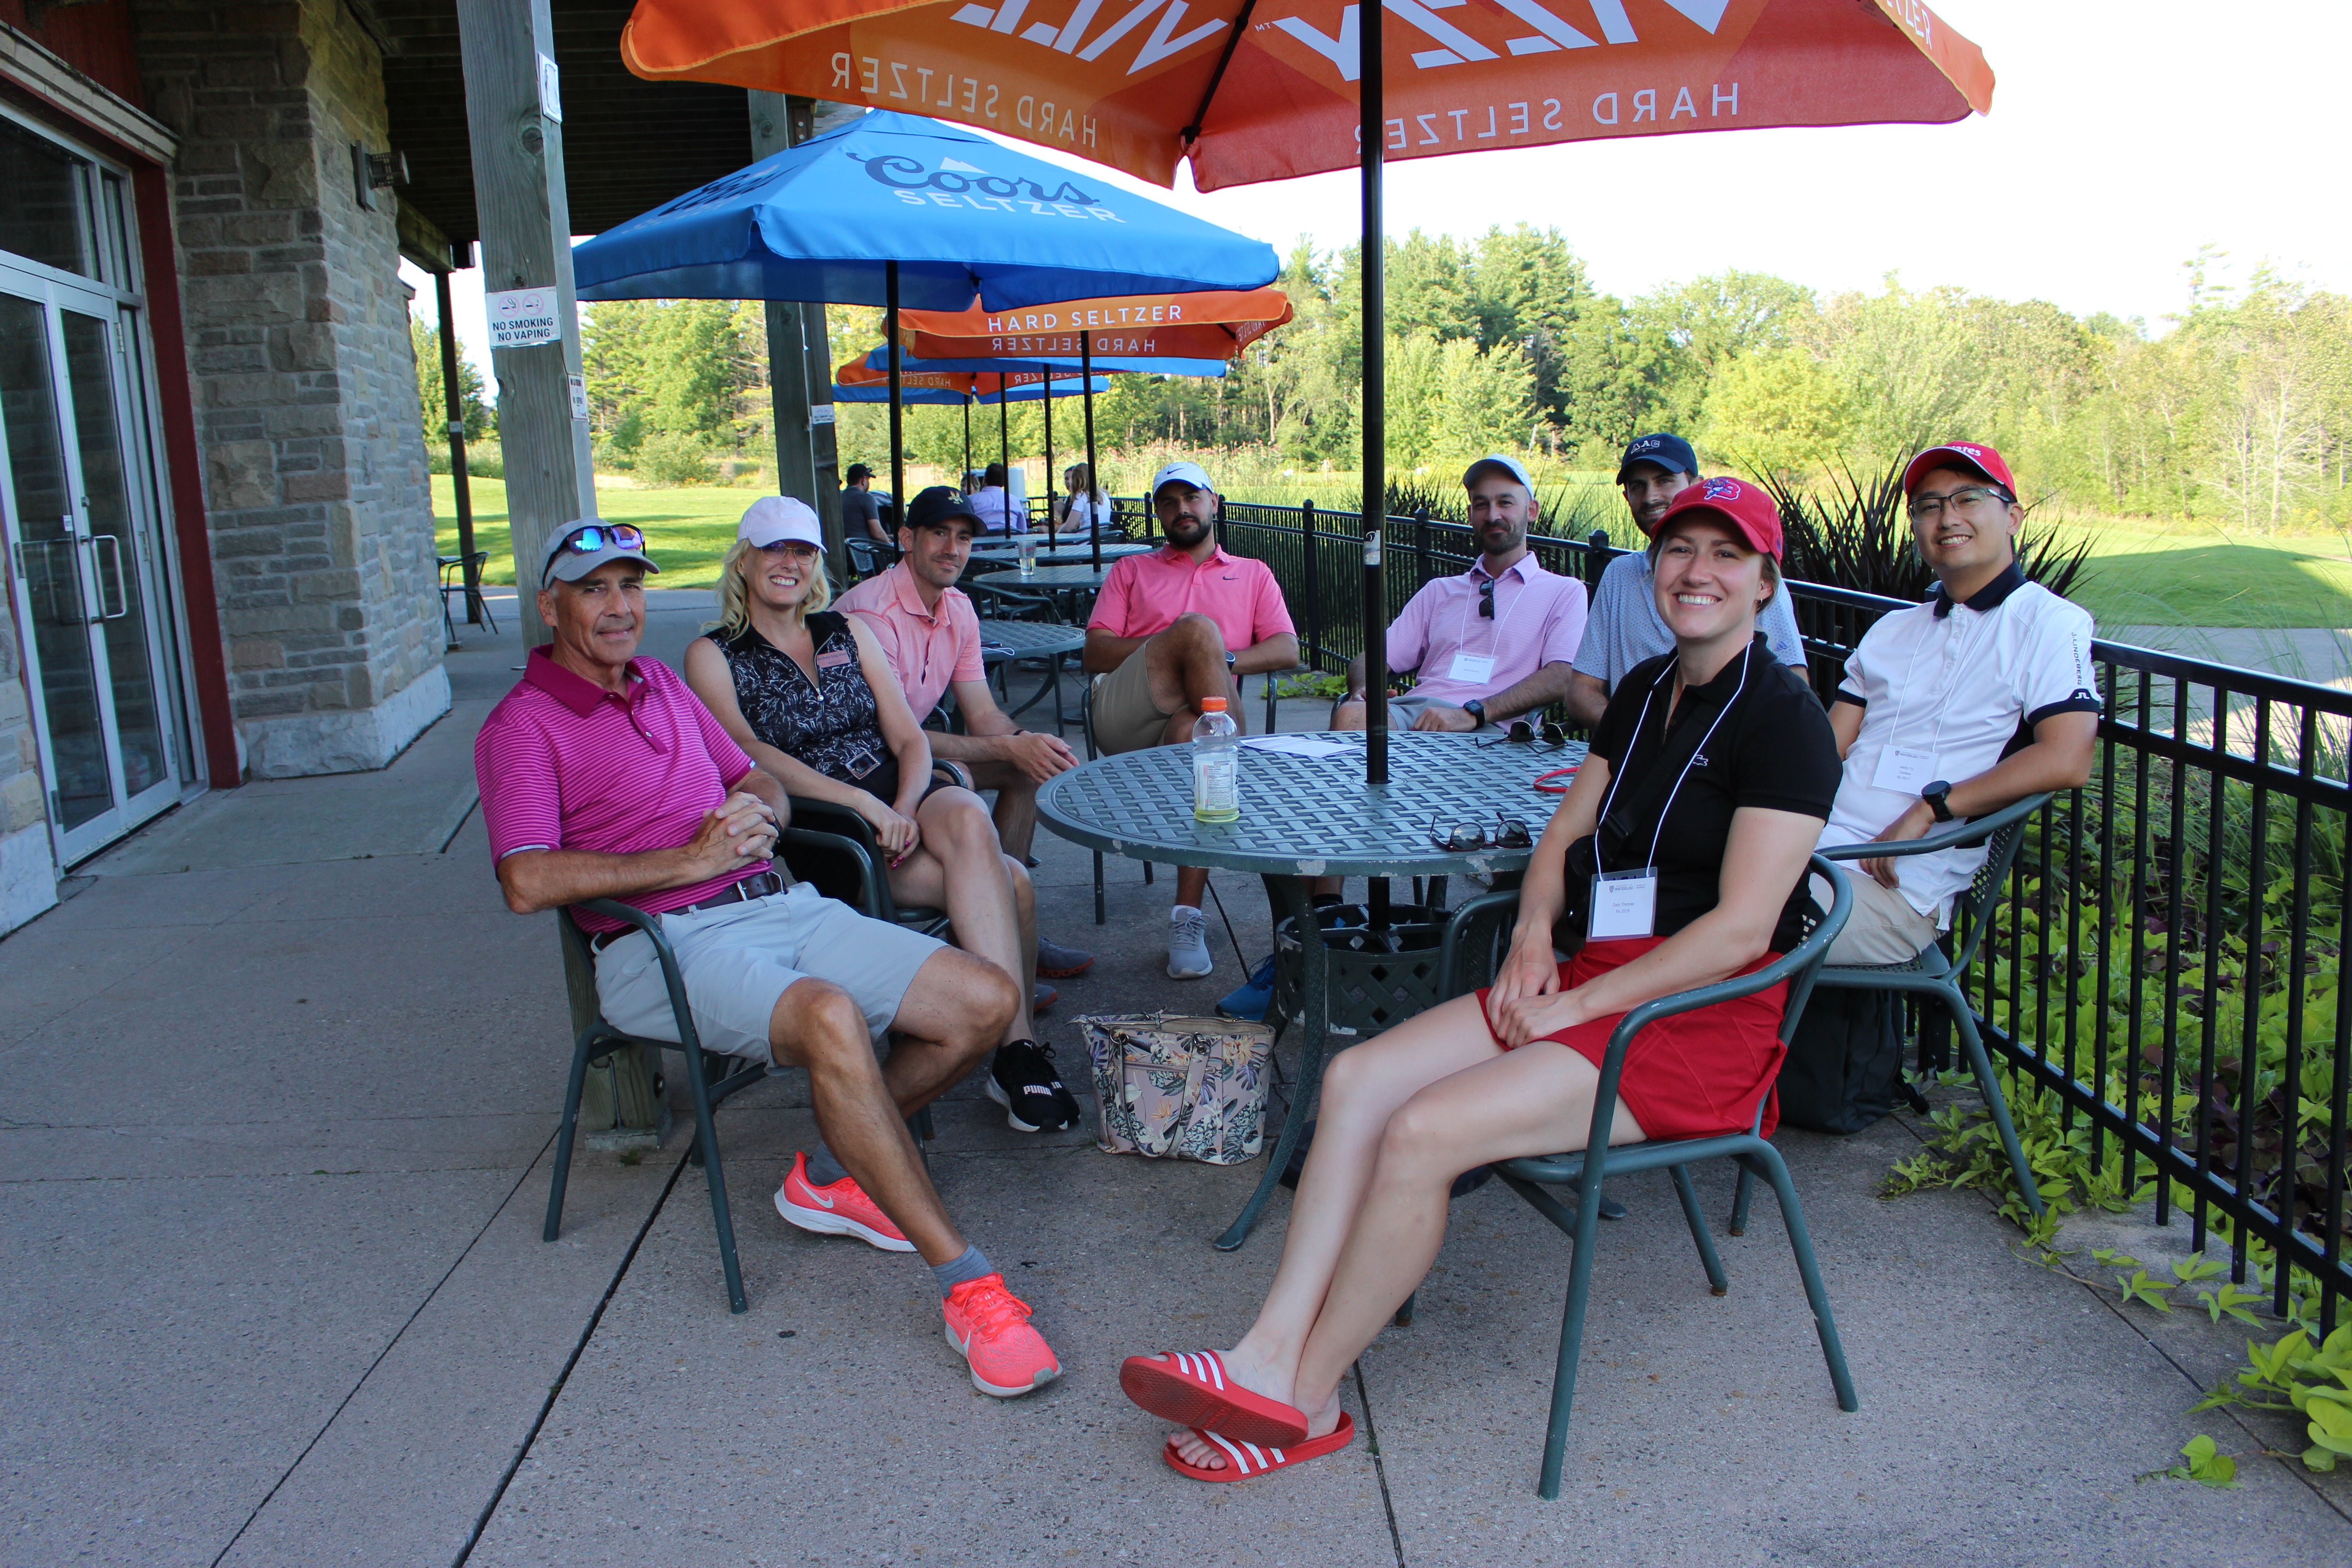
(1973,701)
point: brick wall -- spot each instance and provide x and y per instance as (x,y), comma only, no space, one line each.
(305,388)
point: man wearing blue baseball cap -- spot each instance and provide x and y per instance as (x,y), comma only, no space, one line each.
(1625,628)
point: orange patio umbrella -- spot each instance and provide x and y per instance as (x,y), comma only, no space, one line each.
(1209,324)
(1267,90)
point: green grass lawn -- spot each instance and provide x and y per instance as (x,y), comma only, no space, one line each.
(2140,573)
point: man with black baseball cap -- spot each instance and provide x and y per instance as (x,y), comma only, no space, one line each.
(931,634)
(861,509)
(1625,628)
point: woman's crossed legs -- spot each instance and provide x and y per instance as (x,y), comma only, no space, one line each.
(1401,1116)
(958,866)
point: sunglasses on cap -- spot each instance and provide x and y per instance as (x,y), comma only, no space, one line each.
(599,536)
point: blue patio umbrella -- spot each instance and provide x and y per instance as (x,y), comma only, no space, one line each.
(898,210)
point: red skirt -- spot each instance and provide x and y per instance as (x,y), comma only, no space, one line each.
(1695,1074)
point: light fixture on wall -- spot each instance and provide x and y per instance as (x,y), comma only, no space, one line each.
(372,171)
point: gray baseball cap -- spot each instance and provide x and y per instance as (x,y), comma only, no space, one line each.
(585,544)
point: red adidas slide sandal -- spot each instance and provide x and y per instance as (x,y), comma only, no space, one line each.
(1244,1460)
(1192,1389)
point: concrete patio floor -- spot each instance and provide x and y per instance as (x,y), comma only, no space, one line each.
(279,1091)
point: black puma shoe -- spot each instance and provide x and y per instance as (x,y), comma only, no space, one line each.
(1023,1079)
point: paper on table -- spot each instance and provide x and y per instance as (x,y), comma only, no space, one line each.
(1312,746)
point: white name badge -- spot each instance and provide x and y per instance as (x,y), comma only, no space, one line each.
(1475,669)
(1906,770)
(1625,903)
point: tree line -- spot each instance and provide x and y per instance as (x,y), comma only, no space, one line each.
(2238,409)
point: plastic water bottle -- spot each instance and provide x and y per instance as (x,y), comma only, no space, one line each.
(1216,763)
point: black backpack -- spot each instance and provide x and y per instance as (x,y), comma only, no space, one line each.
(1844,1068)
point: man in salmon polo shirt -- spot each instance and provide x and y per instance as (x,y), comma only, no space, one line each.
(931,633)
(602,776)
(1170,629)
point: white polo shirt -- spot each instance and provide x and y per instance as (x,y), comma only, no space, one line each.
(1947,690)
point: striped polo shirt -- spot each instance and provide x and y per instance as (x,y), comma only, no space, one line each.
(563,763)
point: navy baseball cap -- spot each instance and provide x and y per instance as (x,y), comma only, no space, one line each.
(939,505)
(1671,453)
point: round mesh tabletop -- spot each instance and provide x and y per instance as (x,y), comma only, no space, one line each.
(1070,576)
(1313,817)
(1028,639)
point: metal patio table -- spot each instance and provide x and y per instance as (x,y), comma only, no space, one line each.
(1077,585)
(1063,552)
(1306,817)
(1004,642)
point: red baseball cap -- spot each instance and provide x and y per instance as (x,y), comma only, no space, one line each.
(1960,455)
(1746,506)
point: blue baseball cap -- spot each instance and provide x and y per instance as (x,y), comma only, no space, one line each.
(1671,453)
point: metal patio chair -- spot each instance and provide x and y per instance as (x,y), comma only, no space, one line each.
(1586,1170)
(1932,973)
(476,604)
(594,1039)
(843,859)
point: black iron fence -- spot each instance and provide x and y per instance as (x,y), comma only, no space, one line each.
(2164,976)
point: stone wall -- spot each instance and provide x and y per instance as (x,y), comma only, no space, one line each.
(304,383)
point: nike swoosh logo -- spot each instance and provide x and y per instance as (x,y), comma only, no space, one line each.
(820,1197)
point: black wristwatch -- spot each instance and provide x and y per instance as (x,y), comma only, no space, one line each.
(1937,797)
(1230,659)
(1475,709)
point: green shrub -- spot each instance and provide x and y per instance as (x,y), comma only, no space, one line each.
(668,459)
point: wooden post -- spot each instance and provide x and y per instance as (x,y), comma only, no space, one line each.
(800,360)
(457,406)
(514,114)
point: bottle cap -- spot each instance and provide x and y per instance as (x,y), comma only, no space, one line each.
(1212,704)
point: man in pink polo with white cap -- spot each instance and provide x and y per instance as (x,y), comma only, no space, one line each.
(602,776)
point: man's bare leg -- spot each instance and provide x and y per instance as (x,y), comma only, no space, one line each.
(951,1018)
(1016,813)
(816,1026)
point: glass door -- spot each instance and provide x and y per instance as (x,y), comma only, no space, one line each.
(77,530)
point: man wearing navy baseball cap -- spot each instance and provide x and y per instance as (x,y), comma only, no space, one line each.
(1625,628)
(1955,707)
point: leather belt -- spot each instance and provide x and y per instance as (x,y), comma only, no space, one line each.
(758,886)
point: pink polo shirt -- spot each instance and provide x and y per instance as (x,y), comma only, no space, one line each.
(1143,594)
(927,649)
(563,763)
(1538,620)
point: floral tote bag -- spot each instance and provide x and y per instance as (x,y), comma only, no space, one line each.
(1191,1088)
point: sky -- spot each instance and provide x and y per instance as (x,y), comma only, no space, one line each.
(2122,138)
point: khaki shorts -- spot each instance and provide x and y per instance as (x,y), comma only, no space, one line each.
(1884,928)
(738,959)
(1126,720)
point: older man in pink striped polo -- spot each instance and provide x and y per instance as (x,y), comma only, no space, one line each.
(1492,643)
(602,776)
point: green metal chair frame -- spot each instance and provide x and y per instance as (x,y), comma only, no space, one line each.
(596,1039)
(1586,1171)
(853,841)
(1931,973)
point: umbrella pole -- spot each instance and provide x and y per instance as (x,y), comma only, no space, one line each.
(898,447)
(1094,475)
(1049,447)
(1005,445)
(964,477)
(1372,133)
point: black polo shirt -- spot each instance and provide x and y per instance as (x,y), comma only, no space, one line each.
(1773,749)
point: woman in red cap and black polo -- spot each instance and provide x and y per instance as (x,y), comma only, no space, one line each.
(1683,844)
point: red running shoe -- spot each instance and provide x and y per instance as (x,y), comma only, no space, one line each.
(989,1326)
(841,1209)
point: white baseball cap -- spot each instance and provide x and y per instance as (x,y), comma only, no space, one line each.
(772,520)
(1510,466)
(1191,474)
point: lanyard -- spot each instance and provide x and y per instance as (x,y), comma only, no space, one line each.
(1658,833)
(1956,662)
(1462,626)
